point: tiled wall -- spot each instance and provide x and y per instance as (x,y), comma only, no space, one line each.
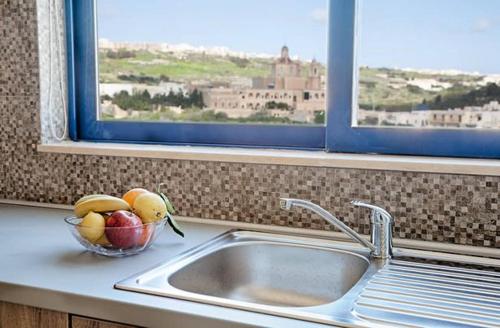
(439,207)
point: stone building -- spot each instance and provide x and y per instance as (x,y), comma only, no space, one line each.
(482,117)
(299,94)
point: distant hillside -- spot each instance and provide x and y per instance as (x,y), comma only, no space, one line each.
(477,97)
(379,88)
(182,68)
(401,90)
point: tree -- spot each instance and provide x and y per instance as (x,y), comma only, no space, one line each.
(196,99)
(106,98)
(277,105)
(120,54)
(492,90)
(145,95)
(138,101)
(144,101)
(319,117)
(438,100)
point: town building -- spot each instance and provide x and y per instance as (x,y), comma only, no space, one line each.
(289,91)
(482,117)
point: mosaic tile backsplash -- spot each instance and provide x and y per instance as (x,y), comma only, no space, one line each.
(447,208)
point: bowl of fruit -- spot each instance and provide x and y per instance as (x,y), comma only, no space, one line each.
(114,226)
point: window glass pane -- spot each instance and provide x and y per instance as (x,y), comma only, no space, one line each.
(429,64)
(223,61)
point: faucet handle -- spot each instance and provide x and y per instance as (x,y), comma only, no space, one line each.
(381,229)
(380,213)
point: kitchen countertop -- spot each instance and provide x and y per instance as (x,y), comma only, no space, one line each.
(42,265)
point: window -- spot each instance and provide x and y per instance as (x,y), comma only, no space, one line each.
(414,64)
(402,72)
(392,77)
(186,71)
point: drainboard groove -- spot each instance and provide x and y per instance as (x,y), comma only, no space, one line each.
(439,273)
(445,288)
(481,302)
(448,281)
(400,319)
(476,272)
(421,300)
(426,311)
(419,317)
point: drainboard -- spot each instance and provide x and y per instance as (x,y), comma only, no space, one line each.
(431,295)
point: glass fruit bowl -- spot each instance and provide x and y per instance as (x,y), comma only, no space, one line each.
(116,241)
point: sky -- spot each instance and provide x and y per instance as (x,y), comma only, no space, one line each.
(434,34)
(420,34)
(256,26)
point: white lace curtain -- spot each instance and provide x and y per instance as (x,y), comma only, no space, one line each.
(52,58)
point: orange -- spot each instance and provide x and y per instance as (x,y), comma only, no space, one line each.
(132,194)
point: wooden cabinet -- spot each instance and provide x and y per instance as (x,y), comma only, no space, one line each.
(22,316)
(81,322)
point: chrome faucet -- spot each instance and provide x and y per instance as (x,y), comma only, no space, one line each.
(381,225)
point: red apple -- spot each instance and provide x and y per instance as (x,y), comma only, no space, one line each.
(123,229)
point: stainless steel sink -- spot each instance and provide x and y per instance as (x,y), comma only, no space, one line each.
(324,281)
(284,275)
(270,273)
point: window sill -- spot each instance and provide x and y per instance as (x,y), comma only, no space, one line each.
(282,157)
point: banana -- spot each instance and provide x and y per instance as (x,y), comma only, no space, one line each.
(84,198)
(100,204)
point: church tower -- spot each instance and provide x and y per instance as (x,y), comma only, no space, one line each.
(285,54)
(314,76)
(286,72)
(314,68)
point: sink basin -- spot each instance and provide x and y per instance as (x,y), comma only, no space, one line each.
(286,275)
(272,274)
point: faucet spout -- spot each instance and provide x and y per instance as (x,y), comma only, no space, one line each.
(288,203)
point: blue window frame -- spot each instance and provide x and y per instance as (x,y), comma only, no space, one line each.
(343,137)
(337,136)
(83,89)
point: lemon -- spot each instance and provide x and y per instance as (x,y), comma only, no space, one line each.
(92,226)
(150,207)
